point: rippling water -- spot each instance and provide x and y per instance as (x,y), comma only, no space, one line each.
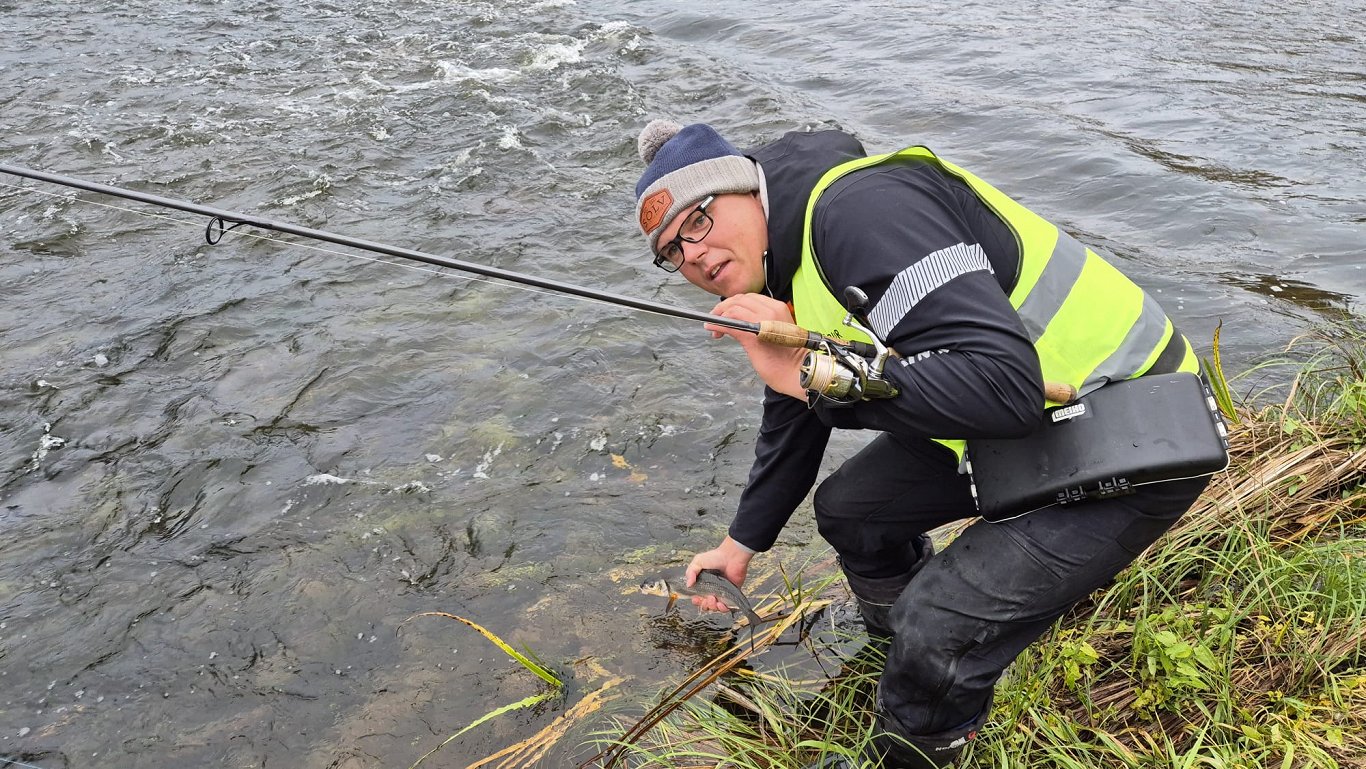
(229,474)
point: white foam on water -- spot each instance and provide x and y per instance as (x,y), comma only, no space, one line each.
(481,470)
(45,444)
(500,99)
(407,87)
(455,72)
(90,136)
(509,140)
(298,108)
(412,487)
(460,158)
(323,479)
(623,31)
(616,27)
(377,85)
(320,185)
(292,199)
(552,56)
(132,80)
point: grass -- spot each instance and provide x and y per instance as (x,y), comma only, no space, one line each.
(1239,640)
(529,749)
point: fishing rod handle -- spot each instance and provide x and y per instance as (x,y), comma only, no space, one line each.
(1059,392)
(786,334)
(791,335)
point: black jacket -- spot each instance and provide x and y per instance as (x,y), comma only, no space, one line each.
(968,368)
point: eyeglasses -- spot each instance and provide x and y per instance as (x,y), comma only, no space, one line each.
(694,229)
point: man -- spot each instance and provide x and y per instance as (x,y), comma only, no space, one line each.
(982,301)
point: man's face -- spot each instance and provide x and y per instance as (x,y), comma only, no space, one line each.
(730,259)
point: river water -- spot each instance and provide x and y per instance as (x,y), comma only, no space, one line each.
(230,475)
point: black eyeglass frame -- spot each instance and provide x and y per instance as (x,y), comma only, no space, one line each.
(668,265)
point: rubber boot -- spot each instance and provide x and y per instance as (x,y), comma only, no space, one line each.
(924,751)
(893,748)
(902,750)
(875,595)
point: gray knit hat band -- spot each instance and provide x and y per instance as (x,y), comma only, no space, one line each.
(676,191)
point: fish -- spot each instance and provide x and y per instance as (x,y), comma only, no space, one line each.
(709,582)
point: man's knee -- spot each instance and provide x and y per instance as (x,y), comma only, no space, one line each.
(836,512)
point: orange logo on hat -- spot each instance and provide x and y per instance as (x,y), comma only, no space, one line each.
(653,209)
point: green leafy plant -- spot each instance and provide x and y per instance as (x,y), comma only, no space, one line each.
(1214,374)
(1173,666)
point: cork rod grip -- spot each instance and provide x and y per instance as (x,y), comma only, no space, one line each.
(783,334)
(1059,392)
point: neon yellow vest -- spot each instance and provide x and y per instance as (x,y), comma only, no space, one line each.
(1089,323)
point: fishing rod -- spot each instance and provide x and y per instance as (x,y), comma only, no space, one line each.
(222,221)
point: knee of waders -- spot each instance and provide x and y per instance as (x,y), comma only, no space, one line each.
(834,514)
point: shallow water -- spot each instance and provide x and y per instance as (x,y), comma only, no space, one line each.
(229,474)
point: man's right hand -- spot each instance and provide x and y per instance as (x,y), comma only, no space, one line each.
(779,367)
(730,559)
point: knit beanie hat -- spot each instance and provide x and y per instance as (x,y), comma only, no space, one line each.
(682,166)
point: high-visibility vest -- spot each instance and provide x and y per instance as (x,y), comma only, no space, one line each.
(1088,322)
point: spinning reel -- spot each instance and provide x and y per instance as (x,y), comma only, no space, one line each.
(836,375)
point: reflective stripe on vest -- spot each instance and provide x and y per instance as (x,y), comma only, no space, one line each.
(1088,322)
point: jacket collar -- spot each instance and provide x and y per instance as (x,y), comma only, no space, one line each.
(789,170)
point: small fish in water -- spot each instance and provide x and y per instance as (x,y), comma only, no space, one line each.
(709,582)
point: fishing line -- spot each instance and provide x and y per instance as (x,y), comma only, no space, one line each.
(442,272)
(18,763)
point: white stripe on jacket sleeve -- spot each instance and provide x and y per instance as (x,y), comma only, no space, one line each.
(916,282)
